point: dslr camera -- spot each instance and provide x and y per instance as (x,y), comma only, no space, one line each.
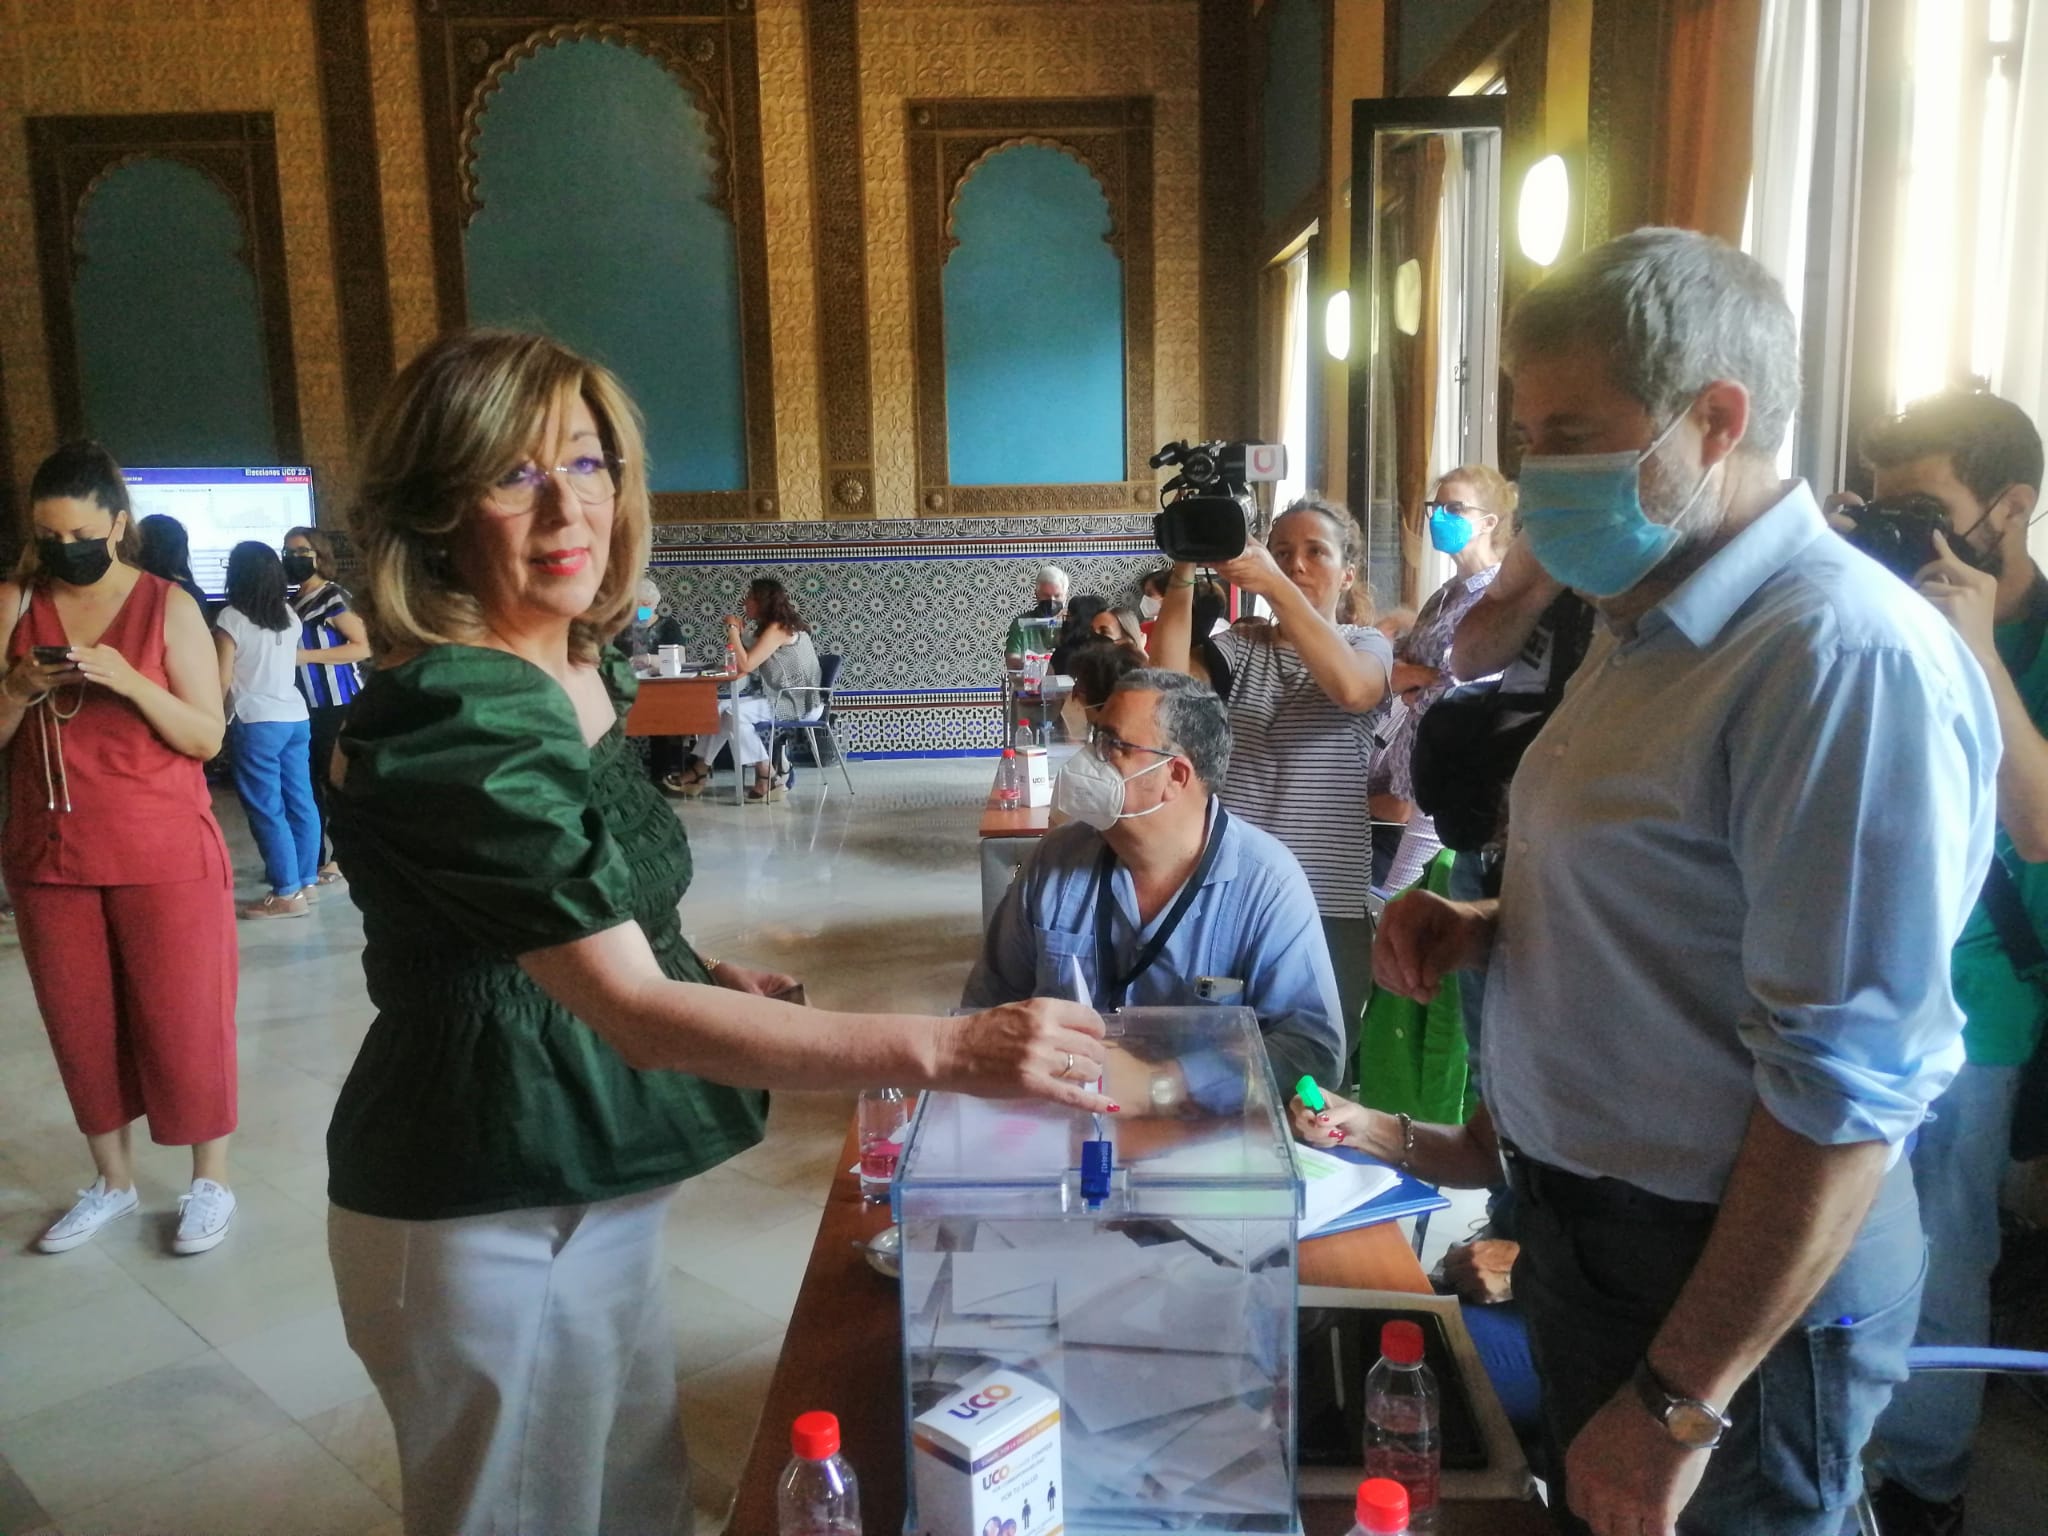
(1206,511)
(1898,532)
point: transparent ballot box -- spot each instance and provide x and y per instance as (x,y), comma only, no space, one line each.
(1157,1305)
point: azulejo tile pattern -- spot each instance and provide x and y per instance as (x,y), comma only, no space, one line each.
(918,609)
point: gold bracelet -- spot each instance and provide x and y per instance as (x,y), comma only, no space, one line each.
(1407,1142)
(709,964)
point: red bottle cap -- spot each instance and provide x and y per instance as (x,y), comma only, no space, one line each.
(815,1436)
(1009,751)
(1382,1504)
(1401,1342)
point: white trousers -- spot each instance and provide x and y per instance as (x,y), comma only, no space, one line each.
(528,1364)
(747,747)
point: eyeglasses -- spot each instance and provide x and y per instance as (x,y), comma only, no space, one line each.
(1458,508)
(592,479)
(1107,745)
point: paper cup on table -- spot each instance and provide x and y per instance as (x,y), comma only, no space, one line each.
(671,661)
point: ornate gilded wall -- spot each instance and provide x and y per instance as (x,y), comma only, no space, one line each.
(104,56)
(80,56)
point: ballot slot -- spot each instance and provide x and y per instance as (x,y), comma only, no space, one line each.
(1173,1358)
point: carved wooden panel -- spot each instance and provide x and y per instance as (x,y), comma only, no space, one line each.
(948,139)
(467,46)
(68,156)
(362,286)
(839,215)
(1229,407)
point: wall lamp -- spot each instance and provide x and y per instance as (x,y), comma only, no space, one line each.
(1544,213)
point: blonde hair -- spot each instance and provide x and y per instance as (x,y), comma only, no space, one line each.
(457,418)
(1497,493)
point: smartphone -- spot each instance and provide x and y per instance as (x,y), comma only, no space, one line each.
(52,655)
(792,994)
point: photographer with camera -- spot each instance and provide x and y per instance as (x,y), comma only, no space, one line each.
(1958,477)
(1304,694)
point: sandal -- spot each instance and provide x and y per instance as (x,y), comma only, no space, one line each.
(687,786)
(768,789)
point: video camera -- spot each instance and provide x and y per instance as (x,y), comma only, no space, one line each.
(1898,532)
(1207,510)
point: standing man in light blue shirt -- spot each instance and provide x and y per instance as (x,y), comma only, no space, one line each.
(1163,896)
(1718,994)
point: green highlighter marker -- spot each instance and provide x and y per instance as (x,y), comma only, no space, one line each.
(1309,1094)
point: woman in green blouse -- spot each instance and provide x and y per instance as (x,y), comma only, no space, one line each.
(549,1058)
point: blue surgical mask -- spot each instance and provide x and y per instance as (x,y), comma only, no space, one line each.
(1449,531)
(646,615)
(1583,514)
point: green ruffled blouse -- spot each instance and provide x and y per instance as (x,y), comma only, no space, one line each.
(475,826)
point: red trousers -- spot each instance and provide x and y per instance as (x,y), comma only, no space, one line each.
(137,988)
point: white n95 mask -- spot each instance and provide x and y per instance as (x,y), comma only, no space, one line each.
(1089,789)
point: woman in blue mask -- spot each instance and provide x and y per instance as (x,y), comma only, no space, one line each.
(1464,520)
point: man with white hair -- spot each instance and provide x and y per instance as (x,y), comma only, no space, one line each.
(1050,605)
(1718,997)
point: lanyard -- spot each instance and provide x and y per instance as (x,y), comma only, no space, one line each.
(1110,986)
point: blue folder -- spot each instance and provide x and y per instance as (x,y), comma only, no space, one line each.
(1409,1197)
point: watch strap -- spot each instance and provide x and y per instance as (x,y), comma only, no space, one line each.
(1660,1402)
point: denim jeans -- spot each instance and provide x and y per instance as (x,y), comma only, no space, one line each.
(274,779)
(1924,1438)
(1595,1292)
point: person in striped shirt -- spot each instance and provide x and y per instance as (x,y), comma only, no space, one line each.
(332,643)
(1306,691)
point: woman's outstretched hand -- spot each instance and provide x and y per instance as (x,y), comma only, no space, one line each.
(1041,1048)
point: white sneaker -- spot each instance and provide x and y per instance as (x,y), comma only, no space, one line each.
(203,1216)
(95,1209)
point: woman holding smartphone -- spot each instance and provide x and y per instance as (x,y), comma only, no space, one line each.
(109,706)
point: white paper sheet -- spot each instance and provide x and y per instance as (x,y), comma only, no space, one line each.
(1110,1388)
(1332,1186)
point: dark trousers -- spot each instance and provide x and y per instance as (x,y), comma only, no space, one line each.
(327,724)
(1601,1265)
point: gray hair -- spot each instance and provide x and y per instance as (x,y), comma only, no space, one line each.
(1192,720)
(1674,311)
(1053,574)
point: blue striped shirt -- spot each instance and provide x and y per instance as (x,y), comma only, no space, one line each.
(325,686)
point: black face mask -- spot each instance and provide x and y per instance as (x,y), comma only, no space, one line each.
(1046,608)
(298,568)
(77,565)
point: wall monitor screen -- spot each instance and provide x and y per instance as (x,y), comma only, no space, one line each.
(220,507)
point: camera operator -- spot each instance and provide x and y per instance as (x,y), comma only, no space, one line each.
(1980,458)
(1304,693)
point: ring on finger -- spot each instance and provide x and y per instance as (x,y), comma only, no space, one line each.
(1068,1069)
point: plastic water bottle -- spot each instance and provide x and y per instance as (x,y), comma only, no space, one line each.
(1402,1442)
(1009,782)
(1382,1508)
(732,657)
(1023,738)
(883,1114)
(818,1494)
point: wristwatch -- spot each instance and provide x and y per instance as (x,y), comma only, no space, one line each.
(1169,1092)
(1693,1424)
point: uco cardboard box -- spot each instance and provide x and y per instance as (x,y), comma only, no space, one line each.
(987,1461)
(1037,776)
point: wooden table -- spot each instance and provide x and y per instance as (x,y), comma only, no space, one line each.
(841,1354)
(676,706)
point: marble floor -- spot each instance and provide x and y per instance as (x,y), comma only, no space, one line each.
(215,1395)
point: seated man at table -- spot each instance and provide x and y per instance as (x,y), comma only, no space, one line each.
(1048,608)
(1159,895)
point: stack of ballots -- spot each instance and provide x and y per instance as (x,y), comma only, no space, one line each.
(1164,1319)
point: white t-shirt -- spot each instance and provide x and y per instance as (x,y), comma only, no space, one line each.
(266,666)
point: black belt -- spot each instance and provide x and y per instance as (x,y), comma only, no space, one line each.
(1574,1194)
